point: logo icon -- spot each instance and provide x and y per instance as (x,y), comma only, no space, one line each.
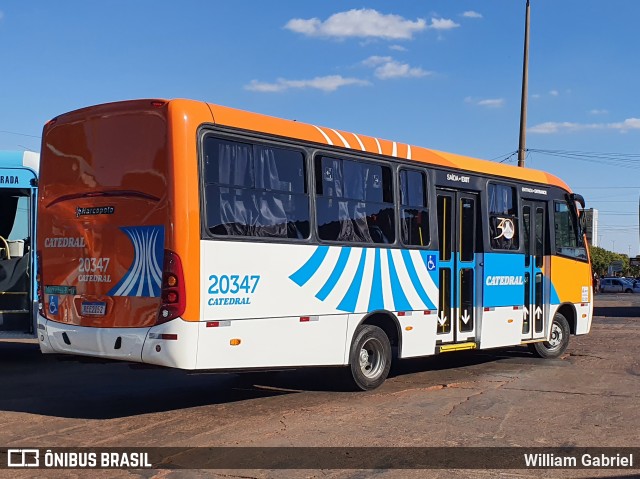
(23,458)
(507,228)
(431,262)
(53,304)
(144,276)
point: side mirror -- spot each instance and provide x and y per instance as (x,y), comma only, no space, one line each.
(578,198)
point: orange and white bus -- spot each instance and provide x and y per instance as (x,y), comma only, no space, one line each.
(191,235)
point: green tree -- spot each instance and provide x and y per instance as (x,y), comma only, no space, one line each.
(601,259)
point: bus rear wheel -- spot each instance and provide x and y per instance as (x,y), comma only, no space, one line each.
(558,341)
(369,357)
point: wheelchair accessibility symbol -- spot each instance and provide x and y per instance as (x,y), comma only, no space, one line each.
(53,305)
(431,262)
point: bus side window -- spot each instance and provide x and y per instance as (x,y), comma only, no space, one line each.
(354,201)
(414,214)
(567,232)
(503,219)
(255,190)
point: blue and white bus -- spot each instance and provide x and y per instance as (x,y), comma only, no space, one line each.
(18,202)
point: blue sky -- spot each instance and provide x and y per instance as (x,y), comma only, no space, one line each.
(436,73)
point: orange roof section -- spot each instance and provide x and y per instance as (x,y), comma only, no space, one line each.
(235,118)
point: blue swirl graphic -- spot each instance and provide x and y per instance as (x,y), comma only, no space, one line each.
(144,276)
(371,296)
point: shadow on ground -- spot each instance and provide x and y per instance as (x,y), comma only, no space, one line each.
(617,311)
(64,386)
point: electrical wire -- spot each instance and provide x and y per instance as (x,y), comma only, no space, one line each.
(19,134)
(622,160)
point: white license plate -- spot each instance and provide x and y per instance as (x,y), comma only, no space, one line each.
(93,309)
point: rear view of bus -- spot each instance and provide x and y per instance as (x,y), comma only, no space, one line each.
(109,269)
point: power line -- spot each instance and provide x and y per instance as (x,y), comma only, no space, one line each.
(622,160)
(509,157)
(615,213)
(19,134)
(504,155)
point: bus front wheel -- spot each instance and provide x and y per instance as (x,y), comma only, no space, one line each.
(558,341)
(369,357)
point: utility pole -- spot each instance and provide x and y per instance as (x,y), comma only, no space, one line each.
(525,85)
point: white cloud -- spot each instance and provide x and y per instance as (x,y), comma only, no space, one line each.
(554,93)
(387,67)
(306,27)
(552,127)
(472,14)
(595,111)
(492,102)
(399,70)
(327,83)
(398,48)
(376,60)
(487,102)
(626,125)
(555,127)
(365,23)
(442,24)
(1,14)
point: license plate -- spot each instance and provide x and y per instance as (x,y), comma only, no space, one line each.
(95,308)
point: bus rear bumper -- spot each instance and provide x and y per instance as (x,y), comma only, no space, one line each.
(173,344)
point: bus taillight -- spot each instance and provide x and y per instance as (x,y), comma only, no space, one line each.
(173,291)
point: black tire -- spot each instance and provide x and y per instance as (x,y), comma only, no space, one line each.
(558,341)
(628,291)
(369,357)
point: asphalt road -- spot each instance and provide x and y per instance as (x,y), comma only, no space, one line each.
(504,397)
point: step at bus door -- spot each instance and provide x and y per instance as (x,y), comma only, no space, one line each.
(457,230)
(534,215)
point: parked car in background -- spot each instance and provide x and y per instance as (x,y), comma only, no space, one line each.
(617,285)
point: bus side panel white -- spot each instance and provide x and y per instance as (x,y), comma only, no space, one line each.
(553,309)
(241,279)
(420,339)
(584,314)
(273,342)
(176,353)
(501,327)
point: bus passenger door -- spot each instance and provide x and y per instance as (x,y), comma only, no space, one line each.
(534,214)
(457,229)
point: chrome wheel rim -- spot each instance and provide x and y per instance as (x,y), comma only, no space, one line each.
(555,340)
(371,358)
